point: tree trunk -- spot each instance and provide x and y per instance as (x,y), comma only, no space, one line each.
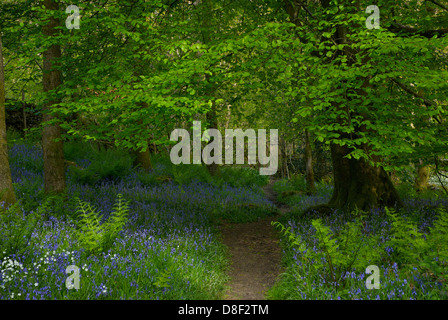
(422,179)
(54,166)
(310,186)
(142,159)
(357,184)
(23,110)
(6,188)
(211,116)
(213,168)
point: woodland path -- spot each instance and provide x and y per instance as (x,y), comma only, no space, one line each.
(255,254)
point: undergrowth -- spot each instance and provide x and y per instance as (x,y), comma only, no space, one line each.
(330,261)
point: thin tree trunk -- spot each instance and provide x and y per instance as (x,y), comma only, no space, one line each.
(54,165)
(310,186)
(23,109)
(211,116)
(142,159)
(213,168)
(229,115)
(6,188)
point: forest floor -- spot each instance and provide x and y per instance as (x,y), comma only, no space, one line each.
(255,254)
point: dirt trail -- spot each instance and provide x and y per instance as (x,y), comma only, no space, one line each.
(255,254)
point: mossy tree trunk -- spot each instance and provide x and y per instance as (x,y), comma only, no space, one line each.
(54,165)
(309,173)
(357,184)
(6,188)
(422,179)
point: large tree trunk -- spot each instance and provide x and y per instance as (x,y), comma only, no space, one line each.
(6,189)
(357,184)
(54,166)
(310,186)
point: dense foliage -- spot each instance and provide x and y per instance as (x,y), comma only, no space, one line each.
(88,177)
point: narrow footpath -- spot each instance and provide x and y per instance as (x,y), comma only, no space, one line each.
(255,254)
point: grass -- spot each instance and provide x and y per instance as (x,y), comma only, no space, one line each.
(168,249)
(399,279)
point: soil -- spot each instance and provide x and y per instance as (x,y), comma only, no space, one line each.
(255,254)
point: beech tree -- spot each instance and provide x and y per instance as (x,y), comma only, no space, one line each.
(376,96)
(365,94)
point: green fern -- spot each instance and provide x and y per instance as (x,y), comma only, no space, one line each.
(94,236)
(293,239)
(438,237)
(163,278)
(336,254)
(408,243)
(435,261)
(428,252)
(16,229)
(90,230)
(116,222)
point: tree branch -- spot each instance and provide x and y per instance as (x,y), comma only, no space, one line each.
(436,160)
(306,9)
(37,62)
(411,92)
(427,102)
(398,27)
(438,4)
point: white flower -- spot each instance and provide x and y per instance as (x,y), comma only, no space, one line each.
(36,284)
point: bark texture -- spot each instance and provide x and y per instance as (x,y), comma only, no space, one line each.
(309,173)
(54,166)
(422,179)
(142,159)
(357,184)
(6,188)
(213,168)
